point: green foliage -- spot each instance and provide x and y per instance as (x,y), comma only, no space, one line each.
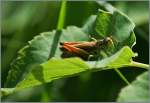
(51,70)
(89,25)
(117,25)
(46,45)
(120,59)
(134,12)
(39,62)
(138,91)
(38,51)
(59,68)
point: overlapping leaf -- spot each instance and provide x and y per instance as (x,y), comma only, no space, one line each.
(137,91)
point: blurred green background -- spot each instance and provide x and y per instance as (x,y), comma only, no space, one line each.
(22,20)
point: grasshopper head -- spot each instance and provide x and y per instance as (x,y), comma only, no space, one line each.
(107,40)
(105,43)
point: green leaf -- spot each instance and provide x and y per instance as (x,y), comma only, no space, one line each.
(115,24)
(111,23)
(138,91)
(53,69)
(60,68)
(120,59)
(89,25)
(39,50)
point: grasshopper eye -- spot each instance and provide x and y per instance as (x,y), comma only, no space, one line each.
(107,40)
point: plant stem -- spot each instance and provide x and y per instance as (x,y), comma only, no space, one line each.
(122,76)
(140,65)
(62,14)
(134,64)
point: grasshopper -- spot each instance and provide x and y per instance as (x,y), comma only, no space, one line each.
(85,50)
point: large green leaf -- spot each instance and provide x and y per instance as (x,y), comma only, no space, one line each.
(53,69)
(138,91)
(39,50)
(60,68)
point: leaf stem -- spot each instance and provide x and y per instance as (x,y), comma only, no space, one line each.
(62,15)
(140,65)
(122,76)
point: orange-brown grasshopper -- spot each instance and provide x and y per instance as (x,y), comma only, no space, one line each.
(85,50)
